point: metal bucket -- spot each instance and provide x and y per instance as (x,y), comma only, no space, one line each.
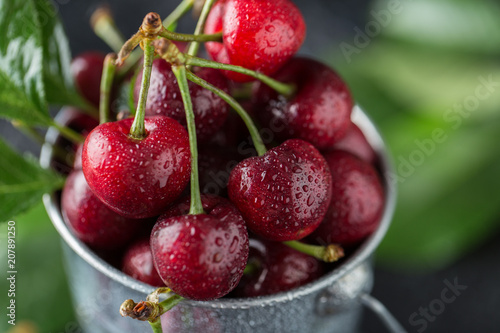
(331,304)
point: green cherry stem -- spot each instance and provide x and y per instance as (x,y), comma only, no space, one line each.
(175,36)
(156,326)
(67,132)
(284,89)
(104,26)
(137,130)
(108,74)
(329,253)
(180,73)
(194,47)
(254,132)
(178,12)
(33,134)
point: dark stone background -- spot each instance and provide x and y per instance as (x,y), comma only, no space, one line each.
(330,22)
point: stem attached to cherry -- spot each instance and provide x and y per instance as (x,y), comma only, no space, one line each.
(138,131)
(254,132)
(329,253)
(180,73)
(175,36)
(108,74)
(284,89)
(200,26)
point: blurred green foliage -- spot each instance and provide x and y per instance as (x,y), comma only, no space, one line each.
(42,295)
(433,66)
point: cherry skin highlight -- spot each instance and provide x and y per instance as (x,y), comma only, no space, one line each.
(284,194)
(201,257)
(260,35)
(87,71)
(164,98)
(137,178)
(357,201)
(138,263)
(91,220)
(319,111)
(355,143)
(276,268)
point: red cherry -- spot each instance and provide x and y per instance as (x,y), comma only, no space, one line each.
(277,268)
(357,201)
(355,143)
(260,35)
(164,98)
(92,221)
(87,70)
(138,263)
(319,111)
(137,178)
(284,194)
(201,257)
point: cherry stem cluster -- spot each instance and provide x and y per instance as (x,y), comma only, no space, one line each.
(284,89)
(108,74)
(254,132)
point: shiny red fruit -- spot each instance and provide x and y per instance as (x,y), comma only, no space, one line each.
(92,221)
(87,70)
(357,201)
(275,268)
(164,98)
(201,257)
(355,143)
(138,263)
(319,111)
(284,194)
(260,35)
(137,178)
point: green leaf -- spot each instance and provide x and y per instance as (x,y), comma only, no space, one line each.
(22,182)
(42,295)
(22,92)
(57,76)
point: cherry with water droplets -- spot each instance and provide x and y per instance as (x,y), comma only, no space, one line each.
(318,112)
(357,201)
(260,35)
(91,220)
(201,257)
(284,194)
(137,178)
(274,268)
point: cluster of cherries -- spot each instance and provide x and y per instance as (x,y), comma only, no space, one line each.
(129,193)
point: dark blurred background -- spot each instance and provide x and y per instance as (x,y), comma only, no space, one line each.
(415,67)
